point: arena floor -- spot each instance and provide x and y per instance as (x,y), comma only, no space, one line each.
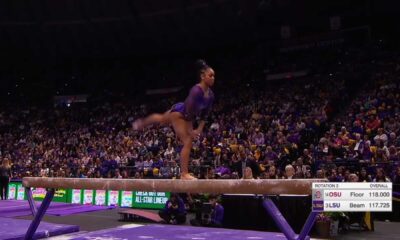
(99,220)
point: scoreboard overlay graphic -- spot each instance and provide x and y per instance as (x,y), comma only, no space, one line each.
(352,197)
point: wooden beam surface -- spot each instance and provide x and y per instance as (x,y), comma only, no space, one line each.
(231,186)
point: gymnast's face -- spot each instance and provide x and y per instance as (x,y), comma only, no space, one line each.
(208,77)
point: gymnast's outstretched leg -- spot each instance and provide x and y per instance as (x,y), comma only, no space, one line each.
(160,118)
(183,130)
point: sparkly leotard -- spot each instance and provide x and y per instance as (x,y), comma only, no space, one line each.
(195,105)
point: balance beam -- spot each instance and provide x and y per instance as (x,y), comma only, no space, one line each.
(256,186)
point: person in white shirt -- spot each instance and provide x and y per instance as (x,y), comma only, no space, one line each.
(381,136)
(170,151)
(289,172)
(359,146)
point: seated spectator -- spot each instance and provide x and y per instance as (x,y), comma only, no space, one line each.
(382,152)
(139,164)
(334,177)
(209,174)
(165,170)
(138,175)
(367,154)
(307,157)
(147,166)
(357,128)
(175,169)
(364,177)
(392,125)
(272,173)
(258,138)
(158,163)
(353,178)
(373,123)
(169,152)
(210,217)
(320,174)
(174,211)
(300,171)
(254,165)
(380,176)
(358,147)
(289,172)
(248,173)
(381,137)
(270,155)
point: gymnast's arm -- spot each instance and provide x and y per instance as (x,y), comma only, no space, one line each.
(204,114)
(199,128)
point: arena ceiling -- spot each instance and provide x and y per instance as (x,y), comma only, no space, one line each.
(48,45)
(118,27)
(53,29)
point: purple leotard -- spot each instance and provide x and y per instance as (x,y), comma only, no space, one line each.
(195,105)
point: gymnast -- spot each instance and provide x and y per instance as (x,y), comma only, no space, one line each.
(181,116)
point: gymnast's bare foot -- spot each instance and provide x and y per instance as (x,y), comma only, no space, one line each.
(187,176)
(137,125)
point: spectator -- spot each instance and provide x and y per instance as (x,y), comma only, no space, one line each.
(5,175)
(373,123)
(357,147)
(169,152)
(367,154)
(272,173)
(381,137)
(174,211)
(212,217)
(380,176)
(258,138)
(394,156)
(334,177)
(289,172)
(392,125)
(270,156)
(248,173)
(353,178)
(393,140)
(320,174)
(175,169)
(364,177)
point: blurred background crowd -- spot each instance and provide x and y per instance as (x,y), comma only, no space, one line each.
(339,121)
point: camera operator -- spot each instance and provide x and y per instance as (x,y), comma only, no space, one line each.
(174,211)
(212,218)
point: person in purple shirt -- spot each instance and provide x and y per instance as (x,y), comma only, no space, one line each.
(174,211)
(181,116)
(223,170)
(217,214)
(212,217)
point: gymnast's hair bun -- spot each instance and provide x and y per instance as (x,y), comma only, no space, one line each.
(201,64)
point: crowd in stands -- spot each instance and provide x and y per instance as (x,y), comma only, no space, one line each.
(312,127)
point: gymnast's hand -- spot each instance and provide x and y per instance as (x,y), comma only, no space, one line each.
(196,133)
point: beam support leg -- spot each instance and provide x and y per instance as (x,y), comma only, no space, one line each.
(39,215)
